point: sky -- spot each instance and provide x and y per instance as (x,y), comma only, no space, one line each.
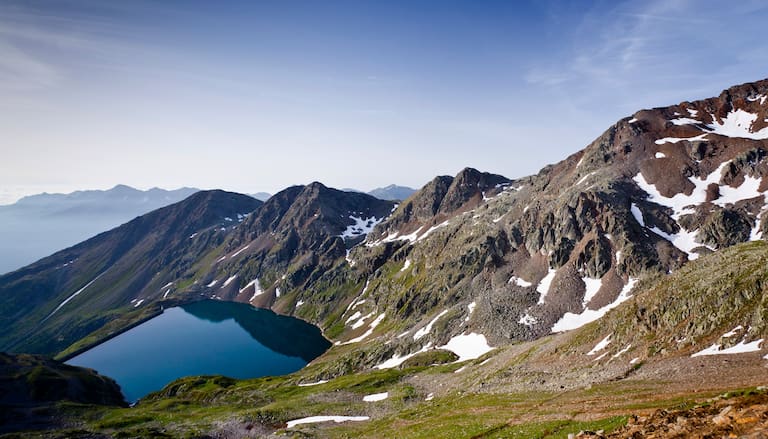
(255,96)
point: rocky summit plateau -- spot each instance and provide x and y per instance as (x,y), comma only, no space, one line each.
(622,292)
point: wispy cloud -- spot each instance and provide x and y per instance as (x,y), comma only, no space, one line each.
(21,71)
(673,47)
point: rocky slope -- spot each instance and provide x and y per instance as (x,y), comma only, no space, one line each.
(34,391)
(61,298)
(557,250)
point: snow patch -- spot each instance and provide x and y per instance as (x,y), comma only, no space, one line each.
(633,120)
(361,321)
(316,383)
(637,213)
(138,303)
(468,346)
(527,320)
(732,332)
(426,330)
(360,227)
(406,265)
(471,309)
(739,348)
(520,282)
(544,285)
(601,345)
(349,260)
(166,293)
(684,121)
(738,123)
(572,321)
(75,294)
(681,204)
(660,155)
(299,303)
(257,291)
(373,326)
(618,354)
(376,397)
(354,316)
(760,97)
(397,360)
(592,287)
(748,189)
(395,236)
(240,251)
(229,281)
(316,419)
(584,178)
(213,282)
(432,229)
(679,139)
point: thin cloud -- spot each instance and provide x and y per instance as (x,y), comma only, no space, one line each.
(20,71)
(661,45)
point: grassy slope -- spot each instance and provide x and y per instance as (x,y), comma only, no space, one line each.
(546,388)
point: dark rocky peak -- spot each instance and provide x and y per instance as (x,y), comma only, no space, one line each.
(333,211)
(470,188)
(316,207)
(268,216)
(443,198)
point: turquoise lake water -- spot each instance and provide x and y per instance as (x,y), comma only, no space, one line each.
(204,338)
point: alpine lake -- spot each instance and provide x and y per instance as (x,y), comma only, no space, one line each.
(204,338)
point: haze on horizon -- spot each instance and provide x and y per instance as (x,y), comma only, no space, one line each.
(257,96)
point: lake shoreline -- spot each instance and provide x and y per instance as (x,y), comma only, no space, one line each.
(207,337)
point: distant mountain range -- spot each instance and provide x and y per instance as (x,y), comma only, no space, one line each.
(37,225)
(392,192)
(261,196)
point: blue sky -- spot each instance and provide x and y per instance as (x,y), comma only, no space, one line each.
(256,96)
